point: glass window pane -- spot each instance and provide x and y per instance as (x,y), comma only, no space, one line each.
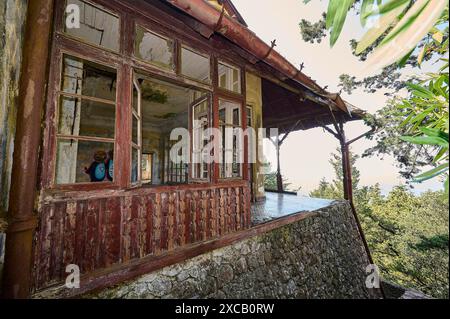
(229,78)
(147,165)
(153,48)
(135,131)
(236,117)
(97,26)
(83,161)
(249,117)
(195,66)
(134,165)
(80,117)
(86,78)
(200,117)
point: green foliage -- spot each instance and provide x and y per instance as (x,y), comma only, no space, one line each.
(423,115)
(270,182)
(408,235)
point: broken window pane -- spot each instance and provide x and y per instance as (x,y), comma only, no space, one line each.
(97,26)
(80,161)
(195,66)
(154,48)
(229,78)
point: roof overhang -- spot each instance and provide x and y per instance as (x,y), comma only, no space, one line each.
(213,21)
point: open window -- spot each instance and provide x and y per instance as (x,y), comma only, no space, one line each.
(86,122)
(163,108)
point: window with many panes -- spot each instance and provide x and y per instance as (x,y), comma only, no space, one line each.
(86,103)
(86,122)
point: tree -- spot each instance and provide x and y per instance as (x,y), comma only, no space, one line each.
(335,189)
(406,32)
(407,235)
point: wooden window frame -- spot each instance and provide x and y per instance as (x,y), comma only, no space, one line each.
(205,55)
(99,4)
(161,35)
(232,66)
(125,64)
(191,132)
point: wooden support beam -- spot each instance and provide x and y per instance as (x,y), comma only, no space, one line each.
(32,85)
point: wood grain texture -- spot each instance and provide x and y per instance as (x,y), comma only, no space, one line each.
(104,231)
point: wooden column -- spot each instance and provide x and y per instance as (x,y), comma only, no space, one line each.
(279,177)
(21,217)
(346,167)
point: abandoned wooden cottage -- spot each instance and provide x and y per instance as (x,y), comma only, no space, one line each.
(92,183)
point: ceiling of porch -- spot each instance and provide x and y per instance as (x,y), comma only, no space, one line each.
(292,111)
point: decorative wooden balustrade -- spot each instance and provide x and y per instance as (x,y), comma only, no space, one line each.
(99,230)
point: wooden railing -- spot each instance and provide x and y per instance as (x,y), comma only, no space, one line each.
(99,230)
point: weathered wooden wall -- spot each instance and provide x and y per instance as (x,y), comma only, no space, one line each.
(12,22)
(98,231)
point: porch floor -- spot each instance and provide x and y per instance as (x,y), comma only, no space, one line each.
(279,205)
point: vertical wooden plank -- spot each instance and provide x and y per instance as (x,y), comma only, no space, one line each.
(70,225)
(188,217)
(99,251)
(111,232)
(149,211)
(44,245)
(197,218)
(157,224)
(126,228)
(222,210)
(133,226)
(238,213)
(79,233)
(193,222)
(91,235)
(57,241)
(182,217)
(214,212)
(142,228)
(204,217)
(170,221)
(163,244)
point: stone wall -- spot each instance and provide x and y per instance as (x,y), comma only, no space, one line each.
(12,20)
(321,256)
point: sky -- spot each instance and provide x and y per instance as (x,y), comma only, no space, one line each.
(305,154)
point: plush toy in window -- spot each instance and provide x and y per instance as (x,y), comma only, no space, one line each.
(97,170)
(110,166)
